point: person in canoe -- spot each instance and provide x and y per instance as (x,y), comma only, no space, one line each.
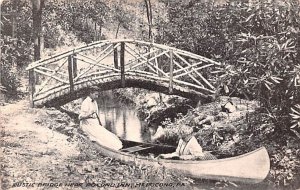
(90,122)
(188,147)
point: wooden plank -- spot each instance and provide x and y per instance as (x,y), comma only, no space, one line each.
(99,73)
(147,76)
(185,84)
(188,67)
(138,54)
(186,53)
(194,86)
(199,83)
(142,72)
(122,63)
(149,61)
(87,82)
(97,64)
(51,76)
(65,54)
(136,149)
(103,51)
(92,65)
(211,86)
(52,71)
(105,42)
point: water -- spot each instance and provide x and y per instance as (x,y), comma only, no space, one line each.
(122,120)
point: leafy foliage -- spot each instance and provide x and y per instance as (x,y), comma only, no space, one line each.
(83,18)
(78,17)
(23,23)
(86,19)
(16,47)
(257,43)
(295,116)
(259,48)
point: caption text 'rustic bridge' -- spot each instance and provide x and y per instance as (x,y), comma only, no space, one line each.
(111,64)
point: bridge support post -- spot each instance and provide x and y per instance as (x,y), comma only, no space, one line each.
(122,63)
(74,66)
(70,71)
(116,60)
(31,87)
(171,72)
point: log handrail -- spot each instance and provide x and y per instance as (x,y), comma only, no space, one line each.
(99,61)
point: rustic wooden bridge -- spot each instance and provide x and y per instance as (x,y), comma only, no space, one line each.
(111,64)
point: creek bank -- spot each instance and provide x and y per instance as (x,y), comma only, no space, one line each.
(231,134)
(46,146)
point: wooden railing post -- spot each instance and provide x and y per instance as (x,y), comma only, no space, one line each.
(159,61)
(70,71)
(31,87)
(171,73)
(122,63)
(116,60)
(74,66)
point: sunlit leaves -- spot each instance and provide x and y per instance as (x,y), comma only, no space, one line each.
(295,114)
(79,17)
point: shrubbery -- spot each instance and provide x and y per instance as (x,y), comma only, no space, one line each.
(15,55)
(257,43)
(259,47)
(16,47)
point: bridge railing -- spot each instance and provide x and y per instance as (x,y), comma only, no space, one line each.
(120,60)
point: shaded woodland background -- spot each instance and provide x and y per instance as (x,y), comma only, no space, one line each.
(258,43)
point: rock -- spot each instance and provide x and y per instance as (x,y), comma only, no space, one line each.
(228,107)
(151,102)
(242,108)
(160,132)
(221,116)
(203,119)
(53,112)
(37,121)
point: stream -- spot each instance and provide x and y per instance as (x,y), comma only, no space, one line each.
(122,120)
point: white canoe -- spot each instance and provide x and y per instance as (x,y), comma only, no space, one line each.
(252,167)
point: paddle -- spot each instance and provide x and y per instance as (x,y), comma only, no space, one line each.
(98,118)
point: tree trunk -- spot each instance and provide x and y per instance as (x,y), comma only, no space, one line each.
(13,17)
(100,31)
(118,28)
(13,24)
(95,30)
(37,7)
(149,17)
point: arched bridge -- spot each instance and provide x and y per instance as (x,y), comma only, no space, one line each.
(111,64)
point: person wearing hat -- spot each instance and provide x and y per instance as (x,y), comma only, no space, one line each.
(188,147)
(91,124)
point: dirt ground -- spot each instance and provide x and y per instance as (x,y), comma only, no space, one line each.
(42,149)
(30,152)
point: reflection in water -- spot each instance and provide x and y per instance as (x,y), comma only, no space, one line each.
(122,121)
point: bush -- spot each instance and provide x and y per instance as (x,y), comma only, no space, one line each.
(257,43)
(15,55)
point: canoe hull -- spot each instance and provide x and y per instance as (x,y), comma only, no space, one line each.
(252,167)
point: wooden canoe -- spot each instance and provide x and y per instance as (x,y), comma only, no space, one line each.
(252,167)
